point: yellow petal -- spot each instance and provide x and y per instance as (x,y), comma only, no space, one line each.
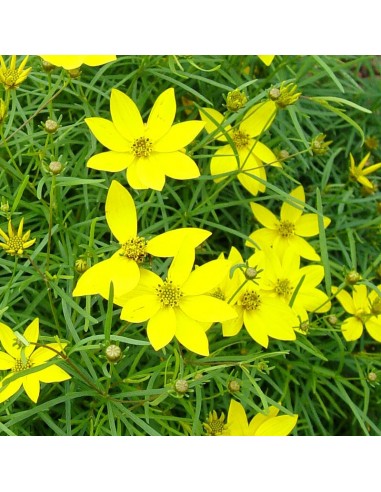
(121,212)
(307,225)
(31,334)
(96,60)
(182,264)
(258,118)
(250,182)
(277,426)
(261,237)
(280,318)
(161,328)
(177,165)
(8,390)
(43,354)
(264,154)
(256,326)
(232,327)
(168,244)
(162,115)
(345,300)
(126,116)
(6,361)
(53,374)
(352,329)
(9,341)
(291,210)
(111,162)
(373,327)
(237,420)
(300,246)
(70,62)
(106,133)
(266,59)
(31,385)
(264,216)
(261,418)
(360,297)
(133,177)
(371,169)
(206,308)
(223,162)
(150,173)
(142,308)
(206,277)
(213,120)
(179,136)
(191,334)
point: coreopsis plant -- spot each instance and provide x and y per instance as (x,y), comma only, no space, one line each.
(20,356)
(242,155)
(16,242)
(365,308)
(237,424)
(123,269)
(149,151)
(13,77)
(359,173)
(262,314)
(71,62)
(285,279)
(290,230)
(179,306)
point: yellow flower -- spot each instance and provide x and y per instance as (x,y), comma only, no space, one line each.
(365,310)
(215,425)
(123,268)
(21,357)
(71,62)
(262,314)
(260,425)
(289,231)
(246,155)
(284,96)
(179,305)
(266,59)
(13,77)
(283,276)
(149,151)
(359,173)
(16,243)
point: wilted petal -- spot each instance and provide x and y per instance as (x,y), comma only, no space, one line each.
(121,212)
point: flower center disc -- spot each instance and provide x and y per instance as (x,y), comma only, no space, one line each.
(19,366)
(16,244)
(169,294)
(251,300)
(240,139)
(286,228)
(283,288)
(135,249)
(142,147)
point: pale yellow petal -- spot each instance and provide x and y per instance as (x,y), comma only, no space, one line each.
(121,212)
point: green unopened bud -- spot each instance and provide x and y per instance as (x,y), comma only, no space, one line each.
(251,273)
(4,205)
(236,100)
(372,376)
(50,126)
(55,167)
(371,142)
(319,146)
(304,326)
(113,353)
(75,73)
(283,155)
(352,277)
(3,110)
(332,319)
(285,95)
(376,306)
(81,265)
(181,386)
(234,386)
(47,66)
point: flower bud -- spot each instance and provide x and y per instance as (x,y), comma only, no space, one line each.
(234,386)
(283,155)
(251,273)
(318,146)
(47,66)
(236,100)
(81,265)
(332,319)
(75,73)
(181,386)
(55,167)
(113,353)
(50,126)
(376,306)
(352,277)
(372,377)
(285,95)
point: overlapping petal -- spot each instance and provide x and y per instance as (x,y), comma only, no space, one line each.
(168,244)
(277,426)
(204,278)
(150,173)
(205,308)
(191,334)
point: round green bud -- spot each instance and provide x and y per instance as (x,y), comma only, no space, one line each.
(50,126)
(55,167)
(181,386)
(352,277)
(113,353)
(234,386)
